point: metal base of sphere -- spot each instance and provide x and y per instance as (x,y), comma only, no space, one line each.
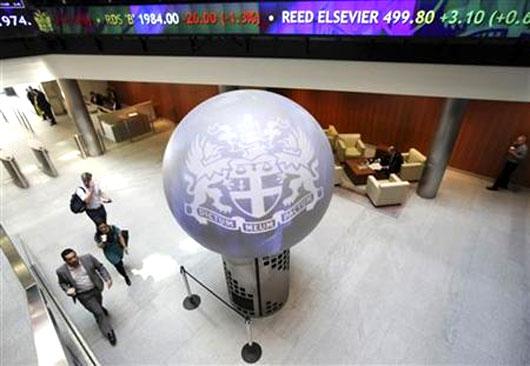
(258,287)
(191,302)
(251,352)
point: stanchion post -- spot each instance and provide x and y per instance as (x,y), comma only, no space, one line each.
(192,301)
(251,351)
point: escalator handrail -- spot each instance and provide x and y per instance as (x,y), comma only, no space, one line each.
(42,280)
(31,278)
(71,326)
(48,347)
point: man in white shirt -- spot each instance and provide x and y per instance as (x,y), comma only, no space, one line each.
(94,198)
(82,278)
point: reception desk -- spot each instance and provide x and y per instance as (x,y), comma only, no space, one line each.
(128,123)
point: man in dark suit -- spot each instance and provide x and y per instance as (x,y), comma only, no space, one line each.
(82,278)
(43,104)
(31,97)
(391,161)
(516,153)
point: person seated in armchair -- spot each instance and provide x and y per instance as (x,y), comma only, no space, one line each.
(391,161)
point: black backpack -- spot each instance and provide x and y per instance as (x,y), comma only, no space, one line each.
(77,205)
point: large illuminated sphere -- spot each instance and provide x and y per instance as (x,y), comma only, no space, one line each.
(248,173)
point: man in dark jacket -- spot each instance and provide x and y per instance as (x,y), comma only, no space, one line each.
(392,161)
(43,104)
(82,278)
(30,94)
(517,152)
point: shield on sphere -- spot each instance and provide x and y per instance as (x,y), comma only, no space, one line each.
(255,186)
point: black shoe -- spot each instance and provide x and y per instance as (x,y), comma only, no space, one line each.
(105,311)
(128,281)
(112,338)
(492,188)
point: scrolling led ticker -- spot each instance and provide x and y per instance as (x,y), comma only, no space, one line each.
(392,18)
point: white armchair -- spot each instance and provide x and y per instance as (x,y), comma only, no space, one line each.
(413,164)
(392,191)
(349,146)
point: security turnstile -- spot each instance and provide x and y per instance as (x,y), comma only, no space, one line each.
(14,171)
(43,158)
(81,146)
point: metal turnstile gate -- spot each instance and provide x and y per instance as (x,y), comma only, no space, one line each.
(14,171)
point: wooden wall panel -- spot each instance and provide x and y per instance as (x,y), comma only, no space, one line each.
(404,121)
(487,130)
(171,101)
(410,121)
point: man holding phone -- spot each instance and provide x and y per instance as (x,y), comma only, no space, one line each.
(81,277)
(94,199)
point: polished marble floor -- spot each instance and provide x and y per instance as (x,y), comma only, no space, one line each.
(433,281)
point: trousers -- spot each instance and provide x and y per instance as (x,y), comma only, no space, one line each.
(504,177)
(121,270)
(97,215)
(48,114)
(92,301)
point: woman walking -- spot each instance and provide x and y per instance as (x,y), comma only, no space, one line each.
(111,240)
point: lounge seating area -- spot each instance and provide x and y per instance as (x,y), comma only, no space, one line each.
(358,168)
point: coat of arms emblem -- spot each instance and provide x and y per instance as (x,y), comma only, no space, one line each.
(252,180)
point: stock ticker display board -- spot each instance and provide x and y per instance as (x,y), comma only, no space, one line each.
(384,18)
